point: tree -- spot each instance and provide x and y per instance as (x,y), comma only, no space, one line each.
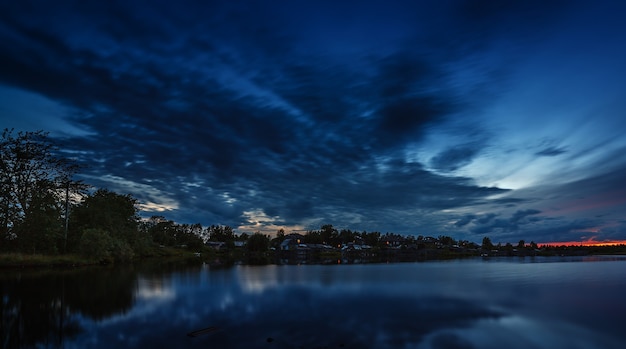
(280,237)
(191,240)
(371,239)
(280,234)
(34,181)
(169,233)
(189,235)
(329,235)
(221,233)
(96,244)
(164,232)
(446,240)
(313,237)
(487,245)
(258,242)
(111,212)
(345,236)
(41,230)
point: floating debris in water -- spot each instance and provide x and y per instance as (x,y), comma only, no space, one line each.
(207,330)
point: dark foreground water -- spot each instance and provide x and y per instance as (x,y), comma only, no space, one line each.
(479,303)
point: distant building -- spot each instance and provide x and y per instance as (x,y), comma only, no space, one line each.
(392,240)
(291,242)
(217,245)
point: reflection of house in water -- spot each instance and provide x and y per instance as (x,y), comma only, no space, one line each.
(294,249)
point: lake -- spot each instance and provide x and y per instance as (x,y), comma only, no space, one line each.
(531,302)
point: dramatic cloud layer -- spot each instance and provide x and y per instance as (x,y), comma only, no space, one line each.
(464,118)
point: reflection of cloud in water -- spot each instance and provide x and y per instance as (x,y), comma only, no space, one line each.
(151,296)
(154,289)
(516,332)
(427,306)
(304,317)
(226,302)
(254,279)
(257,280)
(313,316)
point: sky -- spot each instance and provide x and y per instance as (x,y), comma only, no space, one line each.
(503,119)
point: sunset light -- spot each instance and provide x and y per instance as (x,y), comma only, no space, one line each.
(584,243)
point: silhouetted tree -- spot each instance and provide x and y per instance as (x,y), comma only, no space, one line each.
(345,236)
(221,233)
(371,239)
(41,230)
(33,182)
(187,235)
(164,232)
(508,247)
(280,237)
(446,240)
(329,235)
(312,237)
(113,213)
(258,242)
(487,245)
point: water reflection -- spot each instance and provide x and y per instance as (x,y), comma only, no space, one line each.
(516,303)
(46,308)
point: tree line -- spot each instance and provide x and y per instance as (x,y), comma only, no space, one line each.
(44,210)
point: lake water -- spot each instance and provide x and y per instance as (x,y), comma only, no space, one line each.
(538,302)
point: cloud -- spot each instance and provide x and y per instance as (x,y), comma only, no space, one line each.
(551,151)
(303,150)
(455,157)
(465,220)
(490,225)
(520,215)
(561,230)
(240,111)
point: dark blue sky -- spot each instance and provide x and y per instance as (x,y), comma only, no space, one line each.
(463,118)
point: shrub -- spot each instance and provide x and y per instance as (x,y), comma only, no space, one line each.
(96,244)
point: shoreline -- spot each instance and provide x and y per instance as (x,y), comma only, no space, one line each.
(17,261)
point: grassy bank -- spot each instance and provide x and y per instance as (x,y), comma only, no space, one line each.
(25,260)
(20,260)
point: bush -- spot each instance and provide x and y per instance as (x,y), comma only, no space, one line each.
(258,243)
(99,245)
(121,250)
(96,244)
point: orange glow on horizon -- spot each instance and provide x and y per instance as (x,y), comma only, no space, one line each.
(589,242)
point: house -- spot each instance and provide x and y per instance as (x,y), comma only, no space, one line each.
(392,240)
(291,242)
(217,245)
(354,250)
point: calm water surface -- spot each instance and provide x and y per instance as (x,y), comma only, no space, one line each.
(478,303)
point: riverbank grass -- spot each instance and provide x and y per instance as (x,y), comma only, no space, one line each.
(40,260)
(26,260)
